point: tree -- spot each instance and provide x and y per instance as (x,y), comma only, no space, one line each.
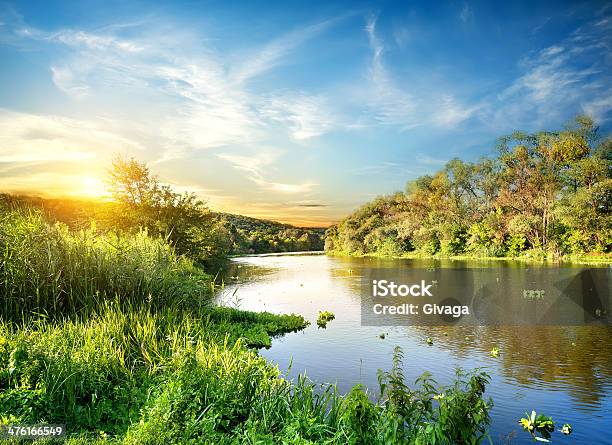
(131,183)
(181,218)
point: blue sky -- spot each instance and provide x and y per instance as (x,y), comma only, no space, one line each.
(298,111)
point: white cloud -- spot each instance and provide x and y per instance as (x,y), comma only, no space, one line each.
(451,113)
(305,116)
(94,41)
(38,138)
(273,53)
(391,105)
(558,80)
(399,106)
(64,79)
(599,108)
(284,187)
(254,167)
(200,99)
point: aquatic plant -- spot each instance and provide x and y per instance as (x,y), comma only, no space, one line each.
(324,318)
(536,424)
(494,352)
(429,341)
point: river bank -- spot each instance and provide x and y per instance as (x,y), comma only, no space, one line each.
(590,259)
(116,336)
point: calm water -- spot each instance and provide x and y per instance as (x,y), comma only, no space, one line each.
(563,371)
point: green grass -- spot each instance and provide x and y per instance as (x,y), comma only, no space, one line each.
(143,377)
(114,335)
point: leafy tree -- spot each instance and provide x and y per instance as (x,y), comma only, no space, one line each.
(182,218)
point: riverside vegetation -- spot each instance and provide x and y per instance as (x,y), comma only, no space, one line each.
(226,234)
(109,328)
(545,196)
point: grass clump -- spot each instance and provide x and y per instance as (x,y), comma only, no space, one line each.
(141,377)
(97,371)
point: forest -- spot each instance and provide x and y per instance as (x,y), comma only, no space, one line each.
(546,195)
(253,235)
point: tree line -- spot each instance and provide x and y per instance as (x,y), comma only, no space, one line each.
(254,235)
(546,194)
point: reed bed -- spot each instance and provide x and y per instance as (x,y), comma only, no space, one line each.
(49,269)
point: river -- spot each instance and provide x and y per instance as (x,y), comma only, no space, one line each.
(562,371)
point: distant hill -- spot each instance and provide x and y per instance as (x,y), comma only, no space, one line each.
(253,235)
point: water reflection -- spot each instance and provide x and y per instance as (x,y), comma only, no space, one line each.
(578,358)
(564,371)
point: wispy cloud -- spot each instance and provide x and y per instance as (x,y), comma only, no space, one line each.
(255,165)
(388,169)
(392,105)
(37,138)
(65,80)
(215,108)
(568,75)
(305,116)
(281,187)
(399,106)
(202,98)
(309,204)
(273,53)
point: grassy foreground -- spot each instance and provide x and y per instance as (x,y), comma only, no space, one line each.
(114,335)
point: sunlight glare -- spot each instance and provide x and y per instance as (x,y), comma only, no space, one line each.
(93,187)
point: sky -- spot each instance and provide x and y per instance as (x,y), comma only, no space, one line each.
(293,111)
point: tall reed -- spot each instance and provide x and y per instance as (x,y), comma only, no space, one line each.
(49,269)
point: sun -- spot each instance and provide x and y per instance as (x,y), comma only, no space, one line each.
(93,187)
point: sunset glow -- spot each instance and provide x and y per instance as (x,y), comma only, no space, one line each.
(93,187)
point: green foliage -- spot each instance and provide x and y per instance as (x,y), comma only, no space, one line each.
(252,235)
(182,218)
(538,425)
(48,268)
(324,318)
(431,413)
(97,372)
(545,195)
(110,334)
(168,376)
